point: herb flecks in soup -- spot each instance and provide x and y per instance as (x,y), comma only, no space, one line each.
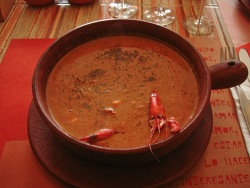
(106,84)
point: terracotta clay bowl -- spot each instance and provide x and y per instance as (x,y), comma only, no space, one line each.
(222,75)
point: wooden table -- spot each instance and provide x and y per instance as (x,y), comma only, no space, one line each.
(28,31)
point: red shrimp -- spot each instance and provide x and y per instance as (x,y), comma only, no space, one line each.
(157,117)
(157,120)
(100,135)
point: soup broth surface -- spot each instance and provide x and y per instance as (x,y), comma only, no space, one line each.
(107,83)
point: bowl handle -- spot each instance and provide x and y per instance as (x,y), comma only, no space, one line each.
(228,74)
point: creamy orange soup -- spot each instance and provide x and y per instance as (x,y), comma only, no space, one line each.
(119,73)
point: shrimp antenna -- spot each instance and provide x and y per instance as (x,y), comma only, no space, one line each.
(149,144)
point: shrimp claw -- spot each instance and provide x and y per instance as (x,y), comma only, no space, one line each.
(173,125)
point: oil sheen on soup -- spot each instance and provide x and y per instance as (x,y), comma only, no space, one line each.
(107,82)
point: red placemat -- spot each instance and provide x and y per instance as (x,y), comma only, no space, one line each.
(16,70)
(224,164)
